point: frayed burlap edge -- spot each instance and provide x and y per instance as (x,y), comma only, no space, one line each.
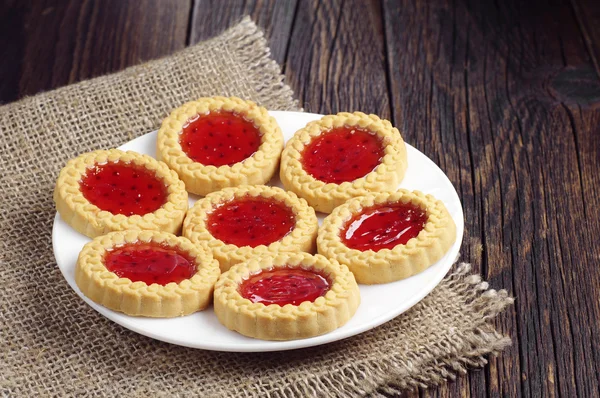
(392,374)
(472,354)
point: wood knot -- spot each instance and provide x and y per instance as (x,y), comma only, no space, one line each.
(577,85)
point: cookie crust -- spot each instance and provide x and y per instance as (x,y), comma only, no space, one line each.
(90,220)
(301,237)
(203,179)
(288,322)
(324,197)
(137,298)
(388,265)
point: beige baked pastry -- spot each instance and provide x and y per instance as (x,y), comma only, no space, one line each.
(147,273)
(239,223)
(220,142)
(386,237)
(343,156)
(285,297)
(103,191)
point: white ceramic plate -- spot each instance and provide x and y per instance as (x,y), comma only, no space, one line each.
(379,303)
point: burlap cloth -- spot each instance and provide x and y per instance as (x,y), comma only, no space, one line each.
(53,344)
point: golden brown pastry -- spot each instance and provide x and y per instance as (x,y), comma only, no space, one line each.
(220,142)
(343,156)
(147,273)
(386,237)
(286,296)
(104,191)
(236,224)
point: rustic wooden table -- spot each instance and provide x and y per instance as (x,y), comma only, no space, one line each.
(502,95)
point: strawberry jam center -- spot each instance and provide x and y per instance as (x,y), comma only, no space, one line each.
(219,138)
(384,226)
(150,263)
(284,286)
(251,221)
(342,154)
(123,188)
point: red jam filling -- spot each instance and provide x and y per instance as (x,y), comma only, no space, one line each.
(342,154)
(251,221)
(123,188)
(284,286)
(219,138)
(150,263)
(384,226)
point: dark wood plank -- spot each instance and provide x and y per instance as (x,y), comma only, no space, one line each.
(480,88)
(588,15)
(336,60)
(451,389)
(275,17)
(53,43)
(12,26)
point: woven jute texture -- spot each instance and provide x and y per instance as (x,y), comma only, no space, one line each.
(53,344)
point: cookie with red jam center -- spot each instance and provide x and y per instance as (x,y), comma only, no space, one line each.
(384,226)
(123,188)
(220,139)
(150,262)
(104,191)
(343,156)
(285,285)
(239,223)
(219,142)
(251,221)
(388,236)
(286,296)
(147,273)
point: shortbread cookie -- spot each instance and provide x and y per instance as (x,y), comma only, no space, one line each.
(104,191)
(388,236)
(343,156)
(219,142)
(285,297)
(237,224)
(147,273)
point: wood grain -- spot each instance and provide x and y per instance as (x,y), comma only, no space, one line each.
(275,17)
(588,15)
(336,60)
(53,43)
(470,84)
